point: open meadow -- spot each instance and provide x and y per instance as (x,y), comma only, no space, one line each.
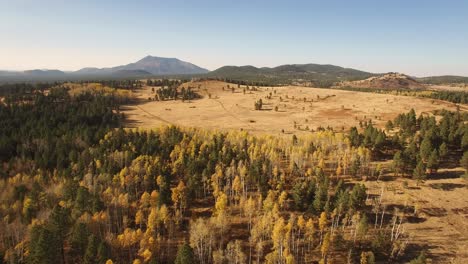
(290,109)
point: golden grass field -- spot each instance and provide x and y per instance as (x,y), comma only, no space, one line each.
(308,107)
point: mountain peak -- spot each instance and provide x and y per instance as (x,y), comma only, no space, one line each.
(152,65)
(150,58)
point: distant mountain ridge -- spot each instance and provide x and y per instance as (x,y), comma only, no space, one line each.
(148,66)
(317,75)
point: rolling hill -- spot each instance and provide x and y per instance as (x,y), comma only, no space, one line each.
(386,81)
(305,74)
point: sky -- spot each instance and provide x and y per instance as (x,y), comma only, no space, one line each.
(416,37)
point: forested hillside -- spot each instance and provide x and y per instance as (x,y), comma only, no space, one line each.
(78,188)
(316,75)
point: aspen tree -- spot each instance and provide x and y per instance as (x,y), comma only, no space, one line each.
(323,221)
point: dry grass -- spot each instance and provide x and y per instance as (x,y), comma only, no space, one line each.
(436,214)
(321,108)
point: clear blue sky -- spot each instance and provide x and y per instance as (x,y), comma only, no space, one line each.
(416,37)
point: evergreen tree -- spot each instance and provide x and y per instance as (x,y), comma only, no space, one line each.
(433,161)
(185,255)
(79,240)
(426,148)
(91,250)
(419,173)
(59,221)
(43,247)
(103,252)
(464,161)
(443,150)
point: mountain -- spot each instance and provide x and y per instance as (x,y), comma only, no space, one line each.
(131,73)
(149,64)
(314,75)
(305,74)
(390,80)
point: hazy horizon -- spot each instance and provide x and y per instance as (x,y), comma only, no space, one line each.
(421,38)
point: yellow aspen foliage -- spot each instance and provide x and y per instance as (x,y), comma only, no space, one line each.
(129,237)
(237,186)
(216,180)
(146,255)
(322,221)
(109,261)
(269,201)
(218,256)
(275,212)
(221,204)
(325,245)
(145,200)
(367,257)
(321,164)
(301,223)
(179,196)
(289,258)
(339,170)
(159,180)
(279,235)
(310,230)
(282,199)
(27,205)
(363,258)
(154,198)
(275,172)
(163,215)
(153,219)
(98,164)
(139,218)
(122,175)
(249,209)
